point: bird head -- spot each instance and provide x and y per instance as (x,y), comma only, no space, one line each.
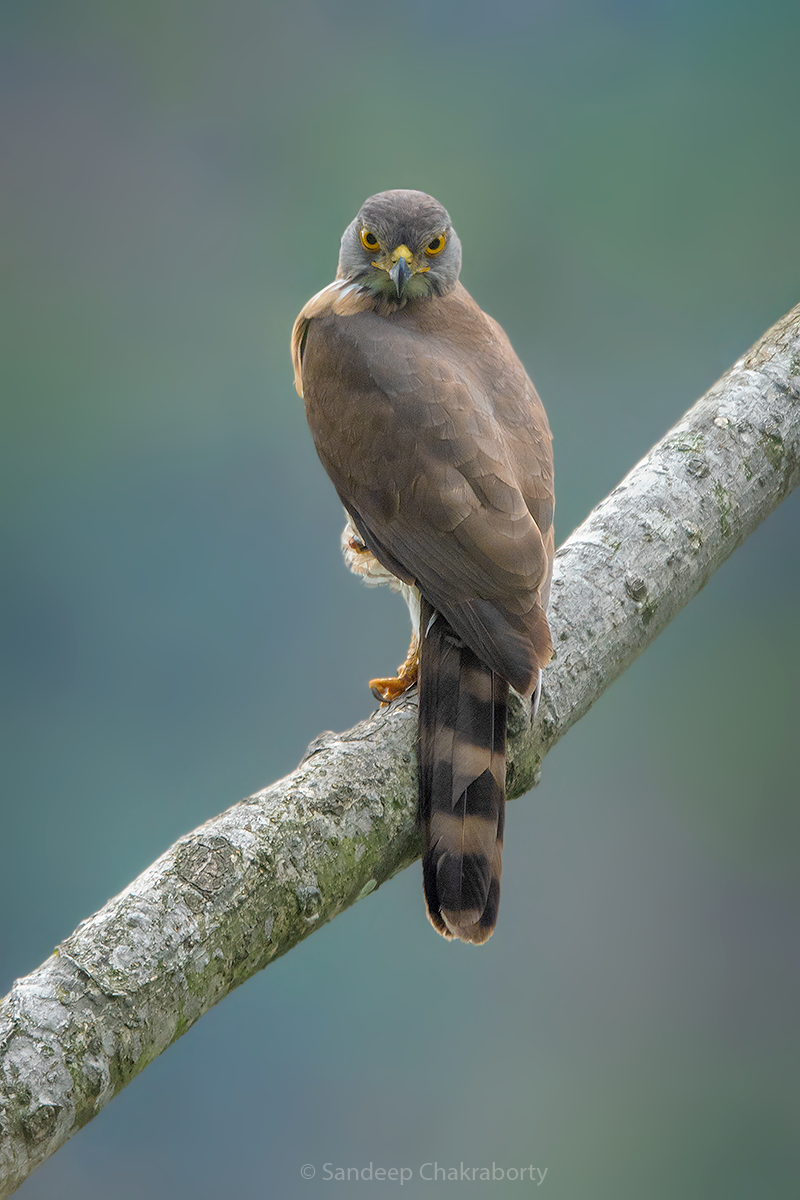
(401,246)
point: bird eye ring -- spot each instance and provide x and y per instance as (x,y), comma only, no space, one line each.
(436,246)
(369,241)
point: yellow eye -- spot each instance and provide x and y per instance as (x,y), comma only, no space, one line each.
(369,241)
(436,246)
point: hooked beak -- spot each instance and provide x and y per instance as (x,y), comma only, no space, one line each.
(400,274)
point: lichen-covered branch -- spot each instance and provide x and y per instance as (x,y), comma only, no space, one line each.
(243,889)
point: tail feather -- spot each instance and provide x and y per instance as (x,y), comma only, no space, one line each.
(461,751)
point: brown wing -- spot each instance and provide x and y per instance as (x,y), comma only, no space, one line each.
(439,448)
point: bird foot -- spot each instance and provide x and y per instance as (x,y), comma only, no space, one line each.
(387,690)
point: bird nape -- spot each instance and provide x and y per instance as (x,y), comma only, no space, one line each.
(439,448)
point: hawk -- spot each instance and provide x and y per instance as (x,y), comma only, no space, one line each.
(439,448)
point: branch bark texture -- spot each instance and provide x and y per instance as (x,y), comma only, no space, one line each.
(241,890)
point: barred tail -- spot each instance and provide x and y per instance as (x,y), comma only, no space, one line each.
(462,762)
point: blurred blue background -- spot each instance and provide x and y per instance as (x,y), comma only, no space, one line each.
(177,624)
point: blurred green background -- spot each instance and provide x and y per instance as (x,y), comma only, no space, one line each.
(177,624)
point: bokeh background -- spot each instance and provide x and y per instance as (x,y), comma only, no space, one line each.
(177,624)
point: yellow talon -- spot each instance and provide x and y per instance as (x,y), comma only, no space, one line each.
(387,690)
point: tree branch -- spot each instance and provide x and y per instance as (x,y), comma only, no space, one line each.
(241,890)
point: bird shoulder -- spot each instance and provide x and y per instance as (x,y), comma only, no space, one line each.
(339,297)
